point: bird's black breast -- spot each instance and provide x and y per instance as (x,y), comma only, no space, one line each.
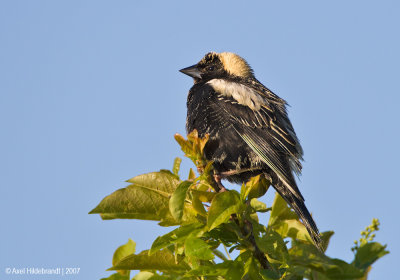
(206,113)
(200,114)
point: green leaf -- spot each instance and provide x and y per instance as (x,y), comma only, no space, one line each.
(368,254)
(222,207)
(146,275)
(177,201)
(144,199)
(259,206)
(234,273)
(204,196)
(257,186)
(285,221)
(168,276)
(198,143)
(143,275)
(189,217)
(225,233)
(325,237)
(315,275)
(293,229)
(198,206)
(272,244)
(191,175)
(198,248)
(343,270)
(270,275)
(162,260)
(176,236)
(230,270)
(251,266)
(176,166)
(123,251)
(163,181)
(192,147)
(186,146)
(308,256)
(116,276)
(280,211)
(303,254)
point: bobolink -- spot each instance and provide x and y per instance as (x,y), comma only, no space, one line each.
(249,129)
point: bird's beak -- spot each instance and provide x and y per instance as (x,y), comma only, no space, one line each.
(192,71)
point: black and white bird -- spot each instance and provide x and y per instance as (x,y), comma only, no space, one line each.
(249,129)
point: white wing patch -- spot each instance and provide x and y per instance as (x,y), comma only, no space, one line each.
(241,93)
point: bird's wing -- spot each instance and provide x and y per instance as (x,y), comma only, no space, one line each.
(265,128)
(281,126)
(271,155)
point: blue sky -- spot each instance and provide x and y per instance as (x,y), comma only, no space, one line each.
(90,95)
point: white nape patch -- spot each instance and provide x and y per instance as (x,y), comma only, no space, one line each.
(241,93)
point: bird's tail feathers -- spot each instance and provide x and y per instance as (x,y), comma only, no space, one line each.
(301,210)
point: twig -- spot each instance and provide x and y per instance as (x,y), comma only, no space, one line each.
(227,253)
(248,231)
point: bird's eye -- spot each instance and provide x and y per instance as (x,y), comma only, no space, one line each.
(210,68)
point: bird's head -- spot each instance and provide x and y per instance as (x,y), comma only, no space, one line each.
(219,65)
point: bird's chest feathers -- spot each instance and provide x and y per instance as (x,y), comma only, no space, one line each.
(201,114)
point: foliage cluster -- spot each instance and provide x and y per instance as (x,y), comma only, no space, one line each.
(211,227)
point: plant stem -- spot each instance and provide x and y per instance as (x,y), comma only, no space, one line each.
(227,253)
